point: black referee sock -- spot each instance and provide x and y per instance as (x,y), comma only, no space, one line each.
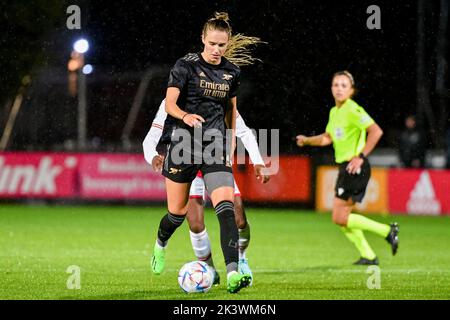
(169,223)
(229,235)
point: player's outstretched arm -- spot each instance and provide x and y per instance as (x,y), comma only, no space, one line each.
(321,140)
(151,141)
(152,138)
(260,174)
(251,145)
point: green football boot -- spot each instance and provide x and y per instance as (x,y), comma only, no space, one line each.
(158,259)
(238,281)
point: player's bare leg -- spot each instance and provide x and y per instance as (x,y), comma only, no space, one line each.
(195,215)
(353,226)
(177,200)
(240,216)
(244,236)
(341,211)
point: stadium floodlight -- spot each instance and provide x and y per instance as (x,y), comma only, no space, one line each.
(81,46)
(87,69)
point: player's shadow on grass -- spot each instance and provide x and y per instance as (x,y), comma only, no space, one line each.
(214,293)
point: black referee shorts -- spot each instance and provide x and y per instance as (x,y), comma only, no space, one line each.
(352,185)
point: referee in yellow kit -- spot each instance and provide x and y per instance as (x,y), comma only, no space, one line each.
(346,130)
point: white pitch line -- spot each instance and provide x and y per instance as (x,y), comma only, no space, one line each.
(255,270)
(331,270)
(362,270)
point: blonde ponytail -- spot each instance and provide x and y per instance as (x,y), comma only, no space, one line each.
(238,51)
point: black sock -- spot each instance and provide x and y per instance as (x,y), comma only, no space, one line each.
(229,235)
(169,223)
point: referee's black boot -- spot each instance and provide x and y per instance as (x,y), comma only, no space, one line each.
(367,262)
(392,237)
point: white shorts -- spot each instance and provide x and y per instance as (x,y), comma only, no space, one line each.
(198,189)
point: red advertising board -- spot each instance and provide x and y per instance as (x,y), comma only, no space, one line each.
(292,182)
(419,192)
(128,176)
(38,175)
(119,176)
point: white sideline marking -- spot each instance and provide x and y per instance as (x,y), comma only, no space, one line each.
(359,269)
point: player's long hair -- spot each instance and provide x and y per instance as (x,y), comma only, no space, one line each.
(238,51)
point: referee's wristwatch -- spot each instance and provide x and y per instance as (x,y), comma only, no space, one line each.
(362,156)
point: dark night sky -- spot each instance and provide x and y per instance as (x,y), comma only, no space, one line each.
(307,42)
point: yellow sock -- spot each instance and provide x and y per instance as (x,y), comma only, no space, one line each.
(356,221)
(359,240)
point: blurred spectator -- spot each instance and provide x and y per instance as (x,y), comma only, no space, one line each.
(412,145)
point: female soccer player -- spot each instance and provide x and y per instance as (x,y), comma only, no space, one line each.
(201,93)
(195,215)
(346,130)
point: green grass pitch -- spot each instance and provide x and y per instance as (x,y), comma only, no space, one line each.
(294,255)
